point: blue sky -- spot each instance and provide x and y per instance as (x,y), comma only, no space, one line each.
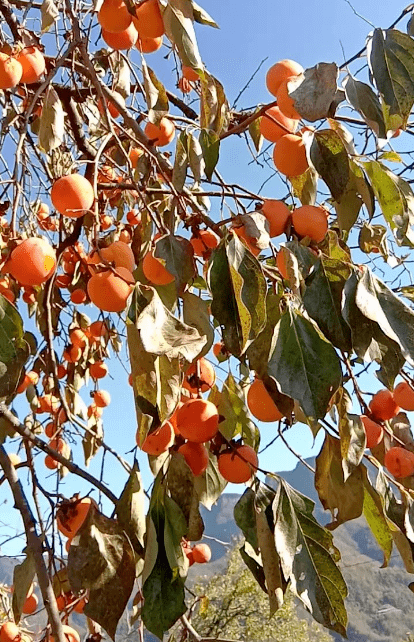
(308,31)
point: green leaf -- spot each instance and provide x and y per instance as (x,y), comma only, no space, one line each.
(255,133)
(352,433)
(362,98)
(178,255)
(180,162)
(376,518)
(314,91)
(196,313)
(258,353)
(305,186)
(130,510)
(358,192)
(92,439)
(196,160)
(214,109)
(304,364)
(178,19)
(344,498)
(155,94)
(50,13)
(52,122)
(210,484)
(14,350)
(181,484)
(391,157)
(102,560)
(308,558)
(202,17)
(373,238)
(244,511)
(175,528)
(323,300)
(330,159)
(391,61)
(23,576)
(210,145)
(232,406)
(271,562)
(238,287)
(254,565)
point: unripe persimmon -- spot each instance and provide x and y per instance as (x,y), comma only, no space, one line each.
(399,462)
(114,16)
(121,40)
(239,464)
(33,64)
(157,442)
(161,134)
(274,124)
(110,290)
(32,262)
(148,45)
(199,375)
(373,431)
(261,404)
(11,71)
(71,516)
(148,19)
(72,195)
(404,396)
(201,553)
(203,242)
(279,72)
(155,271)
(383,405)
(198,420)
(277,215)
(289,155)
(310,220)
(196,456)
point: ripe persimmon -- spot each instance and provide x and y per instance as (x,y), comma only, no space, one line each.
(148,45)
(157,442)
(121,40)
(114,16)
(120,254)
(289,155)
(9,632)
(198,420)
(274,124)
(133,216)
(102,398)
(404,396)
(285,103)
(112,108)
(383,405)
(373,431)
(72,195)
(72,514)
(281,265)
(238,464)
(219,350)
(61,371)
(97,330)
(399,462)
(30,378)
(203,242)
(247,240)
(71,635)
(78,338)
(261,404)
(48,403)
(277,215)
(98,370)
(279,72)
(173,418)
(32,262)
(72,354)
(199,375)
(51,429)
(310,220)
(11,71)
(30,604)
(196,456)
(78,296)
(155,271)
(201,553)
(134,155)
(161,134)
(33,64)
(190,74)
(109,290)
(148,19)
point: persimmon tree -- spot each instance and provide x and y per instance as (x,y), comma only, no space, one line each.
(296,294)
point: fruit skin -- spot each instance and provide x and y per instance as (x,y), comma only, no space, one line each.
(32,262)
(201,553)
(233,468)
(109,291)
(277,214)
(279,72)
(148,45)
(383,405)
(373,431)
(190,74)
(261,404)
(102,398)
(112,108)
(114,16)
(270,124)
(69,520)
(33,64)
(148,20)
(399,462)
(30,604)
(198,420)
(121,40)
(155,271)
(404,396)
(72,195)
(206,378)
(11,71)
(289,155)
(196,456)
(120,254)
(157,442)
(310,220)
(71,635)
(204,242)
(9,631)
(98,370)
(285,102)
(247,240)
(281,265)
(161,134)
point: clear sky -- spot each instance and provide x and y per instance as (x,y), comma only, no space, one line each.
(309,31)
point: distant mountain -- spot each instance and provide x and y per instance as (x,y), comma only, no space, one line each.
(380,605)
